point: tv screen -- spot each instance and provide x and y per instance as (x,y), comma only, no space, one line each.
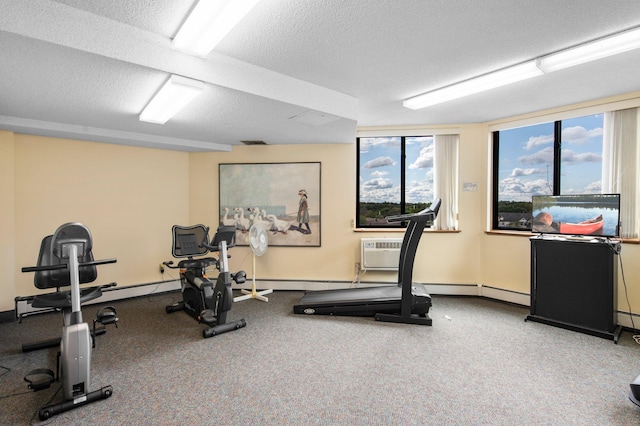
(586,214)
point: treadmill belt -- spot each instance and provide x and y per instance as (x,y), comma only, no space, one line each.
(350,295)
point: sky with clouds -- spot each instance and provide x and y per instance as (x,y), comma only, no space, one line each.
(380,169)
(526,159)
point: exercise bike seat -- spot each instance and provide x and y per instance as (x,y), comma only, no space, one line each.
(62,299)
(197,263)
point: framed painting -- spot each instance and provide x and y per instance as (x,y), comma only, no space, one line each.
(284,198)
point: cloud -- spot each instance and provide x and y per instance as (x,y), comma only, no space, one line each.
(570,157)
(379,162)
(590,188)
(525,172)
(579,135)
(544,156)
(535,141)
(419,191)
(366,143)
(378,183)
(593,188)
(425,159)
(379,173)
(379,191)
(422,140)
(514,189)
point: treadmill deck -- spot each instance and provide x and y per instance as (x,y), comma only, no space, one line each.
(359,301)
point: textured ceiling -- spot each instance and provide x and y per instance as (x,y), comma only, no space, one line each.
(84,69)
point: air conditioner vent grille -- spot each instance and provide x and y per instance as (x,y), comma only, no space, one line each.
(380,254)
(388,244)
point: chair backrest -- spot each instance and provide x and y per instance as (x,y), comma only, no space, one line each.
(189,241)
(54,251)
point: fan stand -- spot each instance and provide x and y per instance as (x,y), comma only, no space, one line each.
(253,294)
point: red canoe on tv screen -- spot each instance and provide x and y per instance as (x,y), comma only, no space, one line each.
(588,227)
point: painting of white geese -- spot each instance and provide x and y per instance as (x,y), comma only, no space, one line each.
(242,223)
(279,225)
(257,217)
(226,221)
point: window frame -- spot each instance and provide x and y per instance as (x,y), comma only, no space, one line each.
(557,167)
(403,165)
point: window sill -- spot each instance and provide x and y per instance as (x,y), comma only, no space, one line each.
(402,230)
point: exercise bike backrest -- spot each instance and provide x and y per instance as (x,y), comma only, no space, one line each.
(191,241)
(226,234)
(54,254)
(66,259)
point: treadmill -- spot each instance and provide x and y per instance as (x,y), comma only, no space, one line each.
(407,302)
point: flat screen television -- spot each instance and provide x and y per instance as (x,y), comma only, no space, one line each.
(586,214)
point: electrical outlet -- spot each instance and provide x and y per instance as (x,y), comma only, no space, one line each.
(161,268)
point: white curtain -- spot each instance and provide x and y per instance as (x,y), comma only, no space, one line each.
(620,162)
(445,170)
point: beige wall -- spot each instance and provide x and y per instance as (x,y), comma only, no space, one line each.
(7,221)
(130,197)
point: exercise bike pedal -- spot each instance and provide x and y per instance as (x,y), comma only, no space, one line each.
(175,307)
(42,379)
(105,316)
(207,317)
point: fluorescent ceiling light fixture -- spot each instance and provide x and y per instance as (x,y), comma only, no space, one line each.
(608,46)
(475,85)
(174,95)
(209,22)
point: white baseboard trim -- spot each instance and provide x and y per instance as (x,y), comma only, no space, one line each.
(304,285)
(625,320)
(120,293)
(523,299)
(432,288)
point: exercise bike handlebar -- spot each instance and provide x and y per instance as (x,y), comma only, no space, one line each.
(66,265)
(169,264)
(217,248)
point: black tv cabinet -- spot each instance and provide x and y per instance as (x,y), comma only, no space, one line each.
(574,284)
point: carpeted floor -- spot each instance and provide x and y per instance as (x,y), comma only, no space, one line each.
(479,364)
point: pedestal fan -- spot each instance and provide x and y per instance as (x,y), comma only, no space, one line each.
(258,242)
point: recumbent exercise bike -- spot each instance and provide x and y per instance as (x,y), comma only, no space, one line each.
(65,259)
(202,299)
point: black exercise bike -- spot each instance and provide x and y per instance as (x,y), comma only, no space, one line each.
(206,301)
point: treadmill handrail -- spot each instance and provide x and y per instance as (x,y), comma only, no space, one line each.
(423,215)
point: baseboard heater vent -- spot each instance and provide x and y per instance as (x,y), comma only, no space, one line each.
(380,254)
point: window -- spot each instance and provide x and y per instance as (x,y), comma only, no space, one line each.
(554,158)
(396,176)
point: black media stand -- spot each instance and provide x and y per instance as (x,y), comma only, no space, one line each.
(574,283)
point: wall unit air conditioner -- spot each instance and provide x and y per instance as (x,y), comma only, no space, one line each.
(380,254)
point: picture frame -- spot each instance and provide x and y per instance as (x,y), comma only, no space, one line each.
(284,198)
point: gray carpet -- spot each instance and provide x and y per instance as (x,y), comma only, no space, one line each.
(479,364)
